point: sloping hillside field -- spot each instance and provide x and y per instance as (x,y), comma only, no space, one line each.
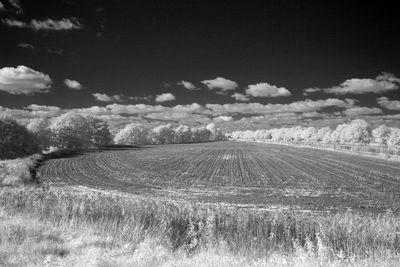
(237,173)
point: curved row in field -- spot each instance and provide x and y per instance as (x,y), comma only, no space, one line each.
(237,172)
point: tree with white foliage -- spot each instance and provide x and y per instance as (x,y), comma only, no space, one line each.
(98,131)
(381,134)
(393,141)
(132,134)
(336,136)
(320,134)
(70,131)
(216,133)
(278,134)
(356,132)
(307,134)
(36,125)
(200,134)
(163,134)
(74,131)
(183,134)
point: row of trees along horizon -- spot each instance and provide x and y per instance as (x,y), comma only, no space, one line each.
(356,132)
(74,131)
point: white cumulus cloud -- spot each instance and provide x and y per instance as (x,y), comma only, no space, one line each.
(165,97)
(388,104)
(266,90)
(220,83)
(240,97)
(382,83)
(56,25)
(108,98)
(44,111)
(16,5)
(23,80)
(46,25)
(297,106)
(355,111)
(26,46)
(73,84)
(223,119)
(188,85)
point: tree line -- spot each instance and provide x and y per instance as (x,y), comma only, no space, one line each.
(74,131)
(356,132)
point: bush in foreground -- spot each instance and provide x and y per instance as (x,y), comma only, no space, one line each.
(16,141)
(18,171)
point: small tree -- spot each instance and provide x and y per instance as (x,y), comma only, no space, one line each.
(307,134)
(183,134)
(163,134)
(200,134)
(98,131)
(132,134)
(70,131)
(216,133)
(320,134)
(40,128)
(381,134)
(16,140)
(336,137)
(393,140)
(74,131)
(356,132)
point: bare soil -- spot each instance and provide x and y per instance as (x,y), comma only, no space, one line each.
(244,174)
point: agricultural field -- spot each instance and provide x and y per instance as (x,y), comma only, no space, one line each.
(243,174)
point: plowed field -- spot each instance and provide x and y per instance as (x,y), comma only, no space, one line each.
(237,173)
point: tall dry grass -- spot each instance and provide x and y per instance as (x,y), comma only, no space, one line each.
(186,233)
(19,171)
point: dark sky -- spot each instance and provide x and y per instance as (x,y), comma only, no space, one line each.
(135,47)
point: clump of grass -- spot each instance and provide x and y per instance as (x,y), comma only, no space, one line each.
(19,171)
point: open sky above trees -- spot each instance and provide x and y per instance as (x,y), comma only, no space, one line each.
(255,65)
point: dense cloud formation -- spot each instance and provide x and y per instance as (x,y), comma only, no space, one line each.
(266,90)
(227,116)
(23,80)
(298,106)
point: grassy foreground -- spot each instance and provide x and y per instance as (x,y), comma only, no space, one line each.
(59,227)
